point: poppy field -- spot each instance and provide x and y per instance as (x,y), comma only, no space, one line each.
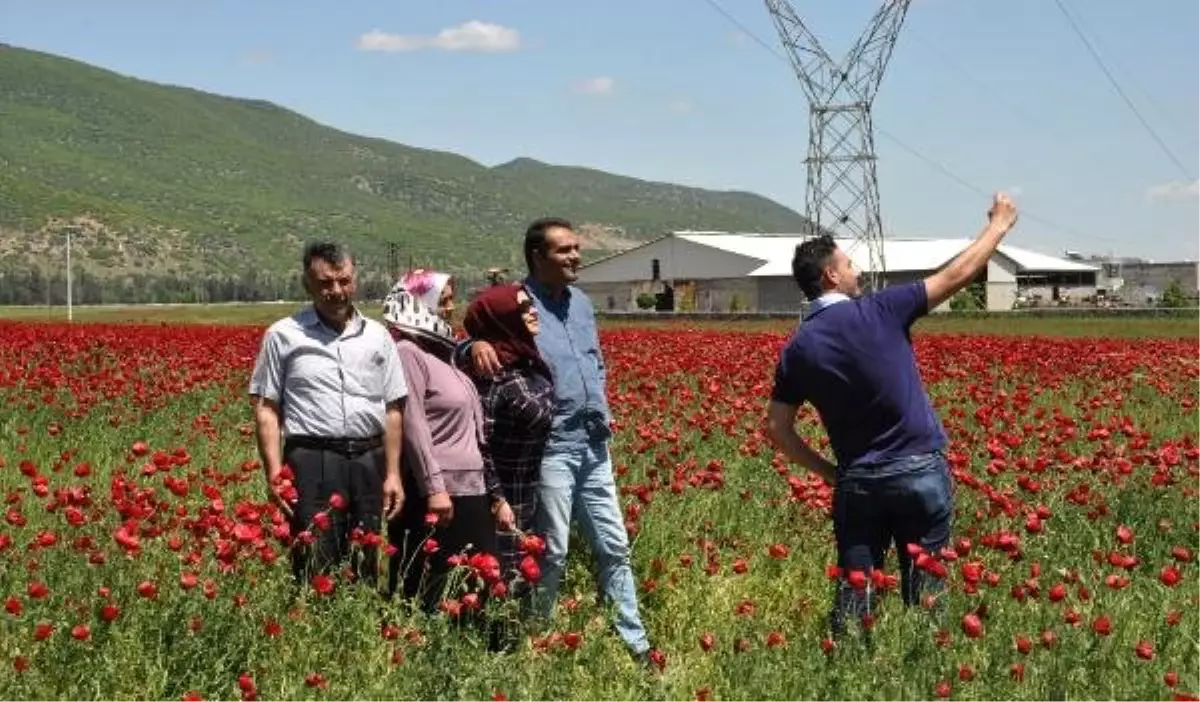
(141,559)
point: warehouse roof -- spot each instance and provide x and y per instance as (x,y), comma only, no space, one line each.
(776,251)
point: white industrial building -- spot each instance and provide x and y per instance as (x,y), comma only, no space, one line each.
(723,272)
(1138,282)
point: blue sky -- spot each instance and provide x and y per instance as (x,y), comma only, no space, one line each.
(1001,94)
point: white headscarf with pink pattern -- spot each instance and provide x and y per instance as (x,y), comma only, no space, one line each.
(412,306)
(426,285)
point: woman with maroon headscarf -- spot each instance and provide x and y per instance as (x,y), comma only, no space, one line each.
(517,406)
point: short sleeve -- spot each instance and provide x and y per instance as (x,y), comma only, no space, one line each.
(903,303)
(395,386)
(789,377)
(267,379)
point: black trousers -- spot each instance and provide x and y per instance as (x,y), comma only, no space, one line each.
(359,480)
(424,575)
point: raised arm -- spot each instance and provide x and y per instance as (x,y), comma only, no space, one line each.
(476,358)
(959,273)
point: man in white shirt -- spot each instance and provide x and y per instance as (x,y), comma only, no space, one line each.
(328,383)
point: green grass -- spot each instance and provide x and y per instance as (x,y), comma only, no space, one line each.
(257,313)
(1014,324)
(949,323)
(704,499)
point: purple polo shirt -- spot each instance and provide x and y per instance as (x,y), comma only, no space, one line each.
(852,359)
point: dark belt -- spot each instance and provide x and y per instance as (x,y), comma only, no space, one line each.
(344,446)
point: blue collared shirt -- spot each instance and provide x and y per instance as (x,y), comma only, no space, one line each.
(569,344)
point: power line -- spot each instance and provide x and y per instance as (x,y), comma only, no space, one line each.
(1008,103)
(1164,113)
(1025,214)
(936,165)
(745,30)
(1117,87)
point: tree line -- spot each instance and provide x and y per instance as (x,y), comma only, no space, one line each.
(33,287)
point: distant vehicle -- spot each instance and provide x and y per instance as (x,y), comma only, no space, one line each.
(494,277)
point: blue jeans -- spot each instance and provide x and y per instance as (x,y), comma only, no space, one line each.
(577,483)
(906,501)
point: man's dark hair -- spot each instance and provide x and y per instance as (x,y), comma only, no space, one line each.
(327,251)
(535,236)
(812,256)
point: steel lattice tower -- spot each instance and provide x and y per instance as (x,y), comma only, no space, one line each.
(842,195)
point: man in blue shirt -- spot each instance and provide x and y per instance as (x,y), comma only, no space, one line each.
(576,473)
(852,359)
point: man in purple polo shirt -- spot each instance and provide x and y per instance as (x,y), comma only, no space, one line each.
(852,359)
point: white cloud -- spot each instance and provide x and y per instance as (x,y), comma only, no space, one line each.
(680,106)
(469,36)
(1173,191)
(600,85)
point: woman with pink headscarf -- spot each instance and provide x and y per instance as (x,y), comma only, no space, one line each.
(443,468)
(435,290)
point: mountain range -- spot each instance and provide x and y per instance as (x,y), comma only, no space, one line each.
(167,181)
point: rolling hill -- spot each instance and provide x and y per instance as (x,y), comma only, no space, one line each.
(168,182)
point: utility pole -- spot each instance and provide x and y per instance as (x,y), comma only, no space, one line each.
(842,194)
(393,262)
(70,306)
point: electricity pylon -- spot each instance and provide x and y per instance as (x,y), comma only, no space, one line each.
(842,195)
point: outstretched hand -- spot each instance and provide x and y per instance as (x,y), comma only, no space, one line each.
(1003,213)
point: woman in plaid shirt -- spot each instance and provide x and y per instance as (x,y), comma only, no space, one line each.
(517,406)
